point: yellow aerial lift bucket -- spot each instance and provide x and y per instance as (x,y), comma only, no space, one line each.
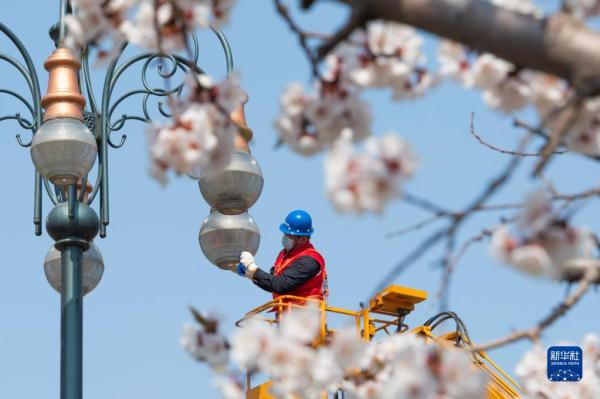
(385,311)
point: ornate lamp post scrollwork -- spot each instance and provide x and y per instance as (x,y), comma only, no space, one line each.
(74,133)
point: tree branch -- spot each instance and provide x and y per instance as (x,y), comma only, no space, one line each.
(303,37)
(540,132)
(557,136)
(501,150)
(559,44)
(560,310)
(358,18)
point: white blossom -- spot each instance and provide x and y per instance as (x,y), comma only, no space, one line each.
(288,363)
(537,212)
(454,61)
(548,92)
(397,155)
(294,100)
(283,353)
(230,388)
(145,23)
(403,366)
(547,253)
(156,28)
(532,372)
(200,138)
(488,71)
(565,243)
(249,342)
(309,123)
(302,327)
(532,259)
(388,54)
(366,181)
(396,366)
(332,113)
(584,134)
(583,8)
(209,347)
(502,243)
(509,95)
(95,22)
(544,242)
(414,86)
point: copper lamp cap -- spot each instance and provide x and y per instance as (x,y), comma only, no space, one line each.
(63,98)
(245,133)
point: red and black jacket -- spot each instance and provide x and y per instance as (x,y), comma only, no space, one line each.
(299,272)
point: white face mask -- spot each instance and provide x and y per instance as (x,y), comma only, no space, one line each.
(287,242)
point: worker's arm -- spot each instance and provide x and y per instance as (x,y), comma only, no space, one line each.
(296,274)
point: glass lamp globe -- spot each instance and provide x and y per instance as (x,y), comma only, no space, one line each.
(236,187)
(63,150)
(91,273)
(224,237)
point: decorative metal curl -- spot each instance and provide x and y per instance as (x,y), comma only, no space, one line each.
(24,123)
(99,118)
(168,66)
(27,70)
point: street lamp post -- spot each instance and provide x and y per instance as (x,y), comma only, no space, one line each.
(70,136)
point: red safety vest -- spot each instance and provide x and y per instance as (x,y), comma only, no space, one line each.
(316,287)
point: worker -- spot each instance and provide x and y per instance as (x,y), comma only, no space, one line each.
(299,269)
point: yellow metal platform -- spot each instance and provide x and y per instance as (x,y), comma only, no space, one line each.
(394,298)
(386,310)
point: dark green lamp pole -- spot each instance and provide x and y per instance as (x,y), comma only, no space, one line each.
(68,138)
(72,234)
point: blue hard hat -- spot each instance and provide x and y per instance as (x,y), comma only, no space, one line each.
(297,223)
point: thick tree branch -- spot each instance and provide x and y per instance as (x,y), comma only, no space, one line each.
(358,18)
(559,45)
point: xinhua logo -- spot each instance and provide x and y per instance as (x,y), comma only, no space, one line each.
(565,363)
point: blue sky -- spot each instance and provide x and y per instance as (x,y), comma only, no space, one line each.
(154,266)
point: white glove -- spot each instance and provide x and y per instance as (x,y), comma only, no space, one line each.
(247,259)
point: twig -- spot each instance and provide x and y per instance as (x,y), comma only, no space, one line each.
(533,333)
(445,283)
(543,134)
(358,18)
(448,214)
(415,227)
(501,179)
(531,129)
(303,37)
(557,135)
(457,219)
(409,259)
(423,203)
(579,196)
(501,150)
(446,264)
(443,291)
(439,214)
(498,207)
(478,204)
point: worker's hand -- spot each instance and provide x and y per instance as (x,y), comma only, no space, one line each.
(247,259)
